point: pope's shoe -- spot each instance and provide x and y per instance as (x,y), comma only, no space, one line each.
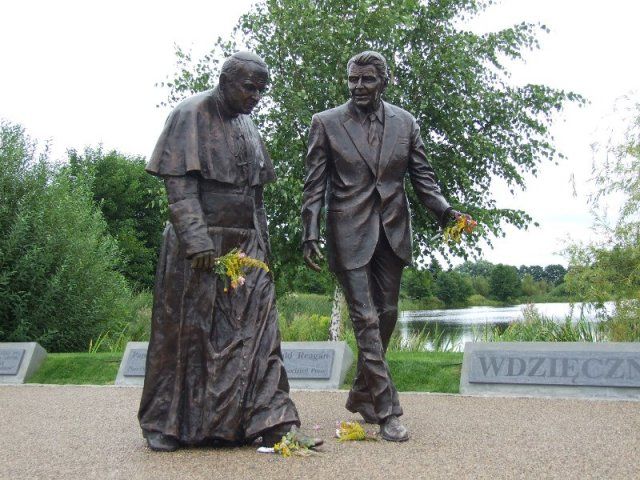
(161,443)
(392,430)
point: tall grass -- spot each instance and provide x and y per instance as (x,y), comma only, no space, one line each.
(292,304)
(535,327)
(305,328)
(115,339)
(624,324)
(304,317)
(423,341)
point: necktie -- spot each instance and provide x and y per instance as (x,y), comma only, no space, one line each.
(374,136)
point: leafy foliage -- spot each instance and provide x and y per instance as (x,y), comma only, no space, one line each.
(453,288)
(305,328)
(505,283)
(477,127)
(59,279)
(609,268)
(131,202)
(531,287)
(417,284)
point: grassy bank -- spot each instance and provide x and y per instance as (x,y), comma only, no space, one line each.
(421,371)
(78,369)
(412,371)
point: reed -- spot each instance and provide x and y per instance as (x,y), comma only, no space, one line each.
(535,327)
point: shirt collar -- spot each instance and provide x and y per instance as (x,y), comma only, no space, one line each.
(379,113)
(361,117)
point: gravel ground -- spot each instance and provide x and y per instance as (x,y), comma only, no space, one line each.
(91,432)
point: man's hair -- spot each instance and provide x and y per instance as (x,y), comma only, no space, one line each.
(371,58)
(235,62)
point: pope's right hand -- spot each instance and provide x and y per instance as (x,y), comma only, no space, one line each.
(203,260)
(311,253)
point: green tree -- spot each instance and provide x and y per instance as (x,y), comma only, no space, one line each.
(434,267)
(505,282)
(609,268)
(453,288)
(130,200)
(305,280)
(416,284)
(476,126)
(529,286)
(536,271)
(481,286)
(479,268)
(554,274)
(59,283)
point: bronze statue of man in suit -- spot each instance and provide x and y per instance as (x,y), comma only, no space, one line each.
(359,154)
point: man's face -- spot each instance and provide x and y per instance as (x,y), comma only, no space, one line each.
(243,91)
(365,86)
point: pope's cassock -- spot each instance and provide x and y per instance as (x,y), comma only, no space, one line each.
(214,368)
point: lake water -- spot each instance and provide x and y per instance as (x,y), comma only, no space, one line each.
(458,326)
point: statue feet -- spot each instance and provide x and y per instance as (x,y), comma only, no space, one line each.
(368,418)
(161,443)
(392,430)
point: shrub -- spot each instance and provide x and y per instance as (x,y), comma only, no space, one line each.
(305,328)
(624,324)
(133,204)
(293,304)
(59,280)
(480,300)
(453,288)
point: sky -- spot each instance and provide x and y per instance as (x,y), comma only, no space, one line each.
(83,73)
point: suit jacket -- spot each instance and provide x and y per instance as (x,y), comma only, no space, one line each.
(359,193)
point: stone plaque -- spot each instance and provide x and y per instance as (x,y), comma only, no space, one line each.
(570,369)
(19,361)
(10,360)
(596,369)
(135,362)
(316,365)
(308,363)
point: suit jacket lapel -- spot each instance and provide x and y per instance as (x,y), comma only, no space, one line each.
(358,135)
(390,137)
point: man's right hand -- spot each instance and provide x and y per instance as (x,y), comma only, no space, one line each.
(203,260)
(311,251)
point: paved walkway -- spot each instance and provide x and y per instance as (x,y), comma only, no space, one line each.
(69,432)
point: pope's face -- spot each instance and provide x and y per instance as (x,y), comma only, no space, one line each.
(243,92)
(365,86)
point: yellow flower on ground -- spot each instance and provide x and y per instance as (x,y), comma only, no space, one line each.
(352,431)
(290,446)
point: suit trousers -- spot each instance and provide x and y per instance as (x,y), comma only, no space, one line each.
(372,293)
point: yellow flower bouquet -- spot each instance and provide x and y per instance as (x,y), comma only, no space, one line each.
(232,268)
(463,224)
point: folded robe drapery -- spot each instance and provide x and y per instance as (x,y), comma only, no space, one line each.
(214,365)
